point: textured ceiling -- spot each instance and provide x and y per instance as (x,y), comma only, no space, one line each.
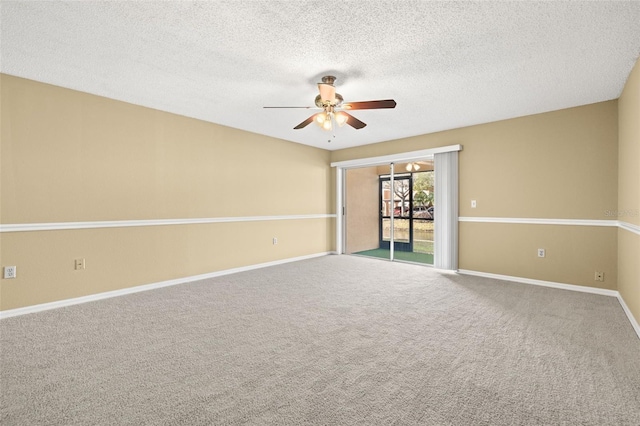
(447,64)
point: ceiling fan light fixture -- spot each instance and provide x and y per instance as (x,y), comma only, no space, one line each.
(341,118)
(327,124)
(412,167)
(321,117)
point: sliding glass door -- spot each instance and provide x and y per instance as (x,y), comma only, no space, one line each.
(389,211)
(400,207)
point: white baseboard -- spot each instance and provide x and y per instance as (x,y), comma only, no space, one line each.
(634,322)
(106,295)
(562,286)
(552,284)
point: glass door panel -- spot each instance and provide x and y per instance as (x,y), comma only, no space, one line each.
(422,213)
(395,200)
(410,204)
(385,195)
(362,212)
(402,224)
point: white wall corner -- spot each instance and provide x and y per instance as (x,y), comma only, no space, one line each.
(562,286)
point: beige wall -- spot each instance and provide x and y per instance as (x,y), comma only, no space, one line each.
(68,156)
(629,191)
(362,209)
(557,165)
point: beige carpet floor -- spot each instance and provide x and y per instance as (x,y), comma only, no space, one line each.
(337,340)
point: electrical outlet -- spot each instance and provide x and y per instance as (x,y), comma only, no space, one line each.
(541,253)
(474,204)
(599,276)
(80,264)
(275,241)
(10,272)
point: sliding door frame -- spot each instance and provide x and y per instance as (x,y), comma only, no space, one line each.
(343,166)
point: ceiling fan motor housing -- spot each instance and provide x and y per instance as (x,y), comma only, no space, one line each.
(328,79)
(328,95)
(336,102)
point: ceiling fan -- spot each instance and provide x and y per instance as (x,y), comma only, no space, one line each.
(333,107)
